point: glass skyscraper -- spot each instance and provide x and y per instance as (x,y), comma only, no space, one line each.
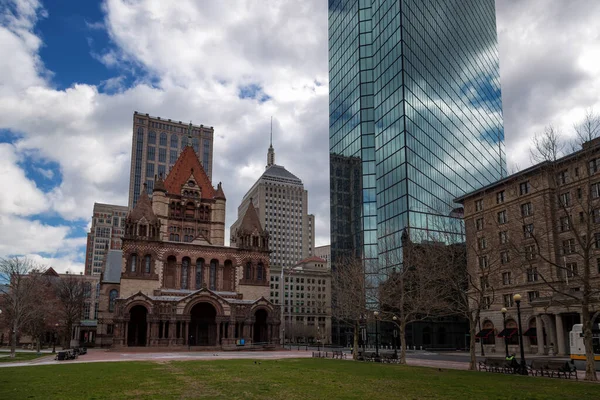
(415,120)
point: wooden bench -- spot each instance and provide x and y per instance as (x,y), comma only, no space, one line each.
(338,354)
(551,368)
(498,365)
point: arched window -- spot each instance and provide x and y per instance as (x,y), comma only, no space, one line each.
(174,142)
(213,274)
(143,230)
(147,264)
(163,139)
(199,272)
(171,236)
(112,296)
(248,271)
(133,262)
(259,272)
(185,267)
(151,137)
(87,289)
(177,237)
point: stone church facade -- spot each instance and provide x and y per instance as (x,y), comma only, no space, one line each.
(179,285)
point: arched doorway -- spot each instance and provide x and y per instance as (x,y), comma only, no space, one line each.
(203,326)
(137,326)
(261,332)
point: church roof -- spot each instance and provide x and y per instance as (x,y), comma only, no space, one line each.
(51,272)
(188,164)
(279,172)
(250,222)
(143,209)
(220,195)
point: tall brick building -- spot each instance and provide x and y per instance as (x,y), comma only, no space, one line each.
(537,233)
(178,284)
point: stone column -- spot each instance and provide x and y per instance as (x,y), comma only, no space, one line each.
(148,332)
(187,335)
(219,333)
(560,336)
(540,334)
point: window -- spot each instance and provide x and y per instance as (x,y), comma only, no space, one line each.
(199,272)
(568,246)
(571,269)
(524,188)
(213,274)
(174,141)
(561,177)
(565,224)
(185,266)
(86,310)
(481,243)
(504,257)
(579,193)
(502,217)
(594,165)
(532,274)
(147,264)
(527,231)
(478,205)
(526,209)
(483,282)
(565,199)
(87,290)
(595,190)
(151,155)
(110,328)
(503,237)
(487,302)
(483,262)
(133,262)
(479,223)
(500,197)
(151,137)
(249,271)
(259,272)
(508,300)
(506,278)
(533,295)
(162,155)
(163,139)
(596,215)
(96,310)
(530,252)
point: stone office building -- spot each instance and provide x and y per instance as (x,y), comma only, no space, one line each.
(531,230)
(178,284)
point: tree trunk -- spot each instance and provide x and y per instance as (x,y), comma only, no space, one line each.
(13,342)
(355,341)
(39,344)
(403,342)
(590,367)
(472,345)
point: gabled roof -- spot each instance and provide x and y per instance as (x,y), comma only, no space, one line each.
(220,195)
(250,222)
(188,164)
(143,209)
(51,272)
(278,171)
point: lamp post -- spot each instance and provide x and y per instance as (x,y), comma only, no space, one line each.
(504,310)
(54,338)
(376,314)
(395,336)
(517,299)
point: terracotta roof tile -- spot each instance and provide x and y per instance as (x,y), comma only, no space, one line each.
(143,208)
(251,220)
(188,164)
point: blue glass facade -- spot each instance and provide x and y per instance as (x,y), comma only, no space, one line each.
(415,120)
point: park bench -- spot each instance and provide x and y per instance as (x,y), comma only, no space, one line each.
(319,354)
(338,354)
(559,369)
(390,358)
(497,365)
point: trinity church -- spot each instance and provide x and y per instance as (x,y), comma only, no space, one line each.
(174,283)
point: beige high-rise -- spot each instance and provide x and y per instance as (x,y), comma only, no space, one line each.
(282,204)
(108,226)
(156,145)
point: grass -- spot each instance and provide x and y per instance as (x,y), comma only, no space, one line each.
(275,379)
(5,357)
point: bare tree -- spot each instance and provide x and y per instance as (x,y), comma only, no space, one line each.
(412,290)
(349,294)
(20,301)
(547,146)
(71,294)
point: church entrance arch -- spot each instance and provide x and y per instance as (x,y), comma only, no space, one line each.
(260,326)
(203,325)
(137,326)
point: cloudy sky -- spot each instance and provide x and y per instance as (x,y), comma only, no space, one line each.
(73,72)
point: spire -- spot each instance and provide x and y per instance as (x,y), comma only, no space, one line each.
(271,151)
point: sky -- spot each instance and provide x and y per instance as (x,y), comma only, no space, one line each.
(73,72)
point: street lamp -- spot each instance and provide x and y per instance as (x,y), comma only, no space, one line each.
(376,314)
(395,336)
(504,311)
(54,338)
(517,299)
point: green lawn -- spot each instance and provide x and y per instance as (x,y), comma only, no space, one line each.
(280,379)
(5,356)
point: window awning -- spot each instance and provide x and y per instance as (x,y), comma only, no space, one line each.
(484,333)
(531,332)
(508,333)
